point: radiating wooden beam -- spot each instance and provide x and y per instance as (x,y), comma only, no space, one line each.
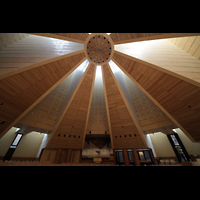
(21,92)
(124,92)
(125,133)
(69,131)
(107,108)
(73,37)
(165,55)
(120,38)
(23,69)
(179,100)
(162,69)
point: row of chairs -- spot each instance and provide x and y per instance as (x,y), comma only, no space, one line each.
(47,163)
(168,162)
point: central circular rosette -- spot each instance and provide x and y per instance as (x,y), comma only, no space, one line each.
(99,48)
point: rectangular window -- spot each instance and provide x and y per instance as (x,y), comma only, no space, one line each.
(12,147)
(178,148)
(141,155)
(16,140)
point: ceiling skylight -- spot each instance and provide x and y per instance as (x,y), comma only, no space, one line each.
(106,33)
(98,70)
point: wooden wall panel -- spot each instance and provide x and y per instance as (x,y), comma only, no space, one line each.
(21,92)
(71,128)
(179,100)
(124,131)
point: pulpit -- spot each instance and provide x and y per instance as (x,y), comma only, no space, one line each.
(97,160)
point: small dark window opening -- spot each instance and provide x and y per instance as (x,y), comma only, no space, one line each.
(13,146)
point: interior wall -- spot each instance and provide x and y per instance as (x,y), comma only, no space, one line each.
(75,157)
(50,155)
(191,147)
(27,147)
(149,143)
(162,145)
(6,141)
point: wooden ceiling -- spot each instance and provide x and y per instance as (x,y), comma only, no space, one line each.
(99,49)
(179,99)
(22,91)
(74,37)
(70,130)
(120,38)
(30,87)
(124,132)
(32,50)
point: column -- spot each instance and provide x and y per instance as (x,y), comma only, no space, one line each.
(114,155)
(41,154)
(126,159)
(69,153)
(80,155)
(58,155)
(154,160)
(136,158)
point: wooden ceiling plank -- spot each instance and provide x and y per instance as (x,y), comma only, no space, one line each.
(119,115)
(165,55)
(161,93)
(75,116)
(17,91)
(73,37)
(53,62)
(120,38)
(133,65)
